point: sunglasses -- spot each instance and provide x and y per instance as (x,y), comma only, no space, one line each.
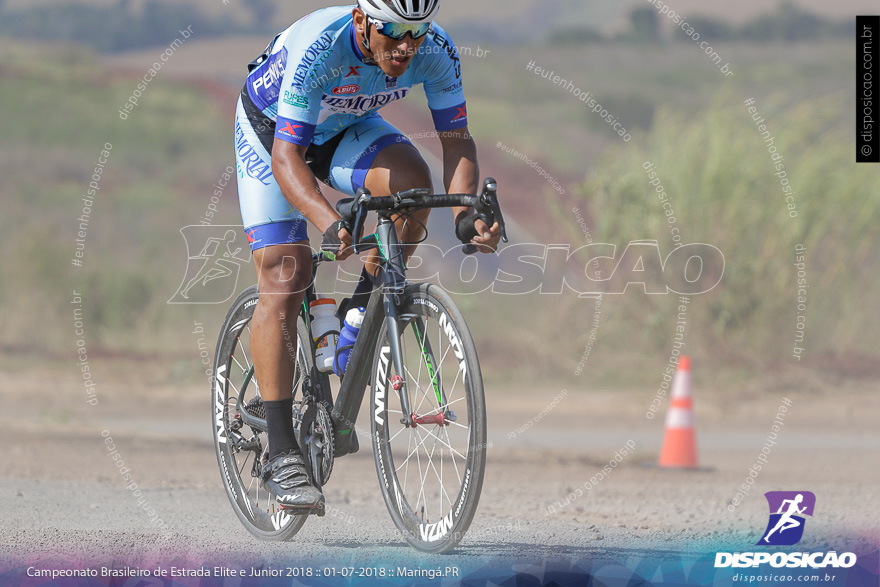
(398,31)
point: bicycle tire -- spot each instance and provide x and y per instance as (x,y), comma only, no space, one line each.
(429,528)
(254,507)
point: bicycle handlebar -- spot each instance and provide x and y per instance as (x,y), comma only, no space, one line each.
(354,210)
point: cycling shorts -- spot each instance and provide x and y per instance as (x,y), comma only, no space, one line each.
(341,162)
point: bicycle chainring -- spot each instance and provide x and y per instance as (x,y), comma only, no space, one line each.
(314,434)
(321,443)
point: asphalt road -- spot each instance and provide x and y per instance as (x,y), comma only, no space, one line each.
(61,498)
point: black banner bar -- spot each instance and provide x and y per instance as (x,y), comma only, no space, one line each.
(867,86)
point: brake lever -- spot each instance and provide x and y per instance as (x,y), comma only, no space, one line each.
(362,198)
(490,198)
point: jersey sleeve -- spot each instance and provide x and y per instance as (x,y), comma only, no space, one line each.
(299,101)
(443,83)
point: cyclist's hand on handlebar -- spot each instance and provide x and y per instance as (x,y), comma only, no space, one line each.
(336,243)
(487,238)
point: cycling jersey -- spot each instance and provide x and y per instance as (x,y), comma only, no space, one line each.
(312,86)
(312,80)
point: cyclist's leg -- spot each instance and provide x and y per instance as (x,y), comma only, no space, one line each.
(278,237)
(400,167)
(375,155)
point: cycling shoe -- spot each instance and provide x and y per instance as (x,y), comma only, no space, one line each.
(287,478)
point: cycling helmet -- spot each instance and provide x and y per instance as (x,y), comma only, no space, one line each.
(401,11)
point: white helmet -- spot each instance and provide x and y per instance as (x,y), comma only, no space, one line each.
(401,11)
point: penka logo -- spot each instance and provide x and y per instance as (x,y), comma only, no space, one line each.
(787,511)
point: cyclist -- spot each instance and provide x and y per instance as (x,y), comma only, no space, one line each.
(308,112)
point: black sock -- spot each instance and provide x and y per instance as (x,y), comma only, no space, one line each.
(279,419)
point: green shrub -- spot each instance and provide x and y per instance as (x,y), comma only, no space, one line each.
(717,172)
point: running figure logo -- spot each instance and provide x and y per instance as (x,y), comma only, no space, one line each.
(215,255)
(786,525)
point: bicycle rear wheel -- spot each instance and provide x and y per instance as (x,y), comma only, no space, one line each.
(431,474)
(242,449)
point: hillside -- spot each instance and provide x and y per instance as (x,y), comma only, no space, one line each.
(512,22)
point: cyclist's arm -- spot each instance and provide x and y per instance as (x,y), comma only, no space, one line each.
(299,107)
(302,190)
(299,185)
(444,88)
(461,175)
(461,172)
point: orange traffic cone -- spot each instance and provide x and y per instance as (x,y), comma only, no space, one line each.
(680,443)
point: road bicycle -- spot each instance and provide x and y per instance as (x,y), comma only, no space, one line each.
(427,410)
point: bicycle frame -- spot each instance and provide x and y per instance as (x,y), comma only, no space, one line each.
(382,306)
(393,269)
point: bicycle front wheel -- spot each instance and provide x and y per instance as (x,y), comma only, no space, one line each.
(431,471)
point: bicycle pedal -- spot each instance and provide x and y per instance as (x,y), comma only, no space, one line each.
(310,511)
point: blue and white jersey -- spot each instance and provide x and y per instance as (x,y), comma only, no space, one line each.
(313,82)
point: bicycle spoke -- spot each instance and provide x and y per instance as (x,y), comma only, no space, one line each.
(438,409)
(419,387)
(442,487)
(406,472)
(410,453)
(421,479)
(422,349)
(452,457)
(234,388)
(396,434)
(240,366)
(244,352)
(244,463)
(446,444)
(430,459)
(440,478)
(437,371)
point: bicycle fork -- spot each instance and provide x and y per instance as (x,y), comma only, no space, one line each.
(395,284)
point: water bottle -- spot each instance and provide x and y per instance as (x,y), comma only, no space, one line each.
(353,321)
(325,330)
